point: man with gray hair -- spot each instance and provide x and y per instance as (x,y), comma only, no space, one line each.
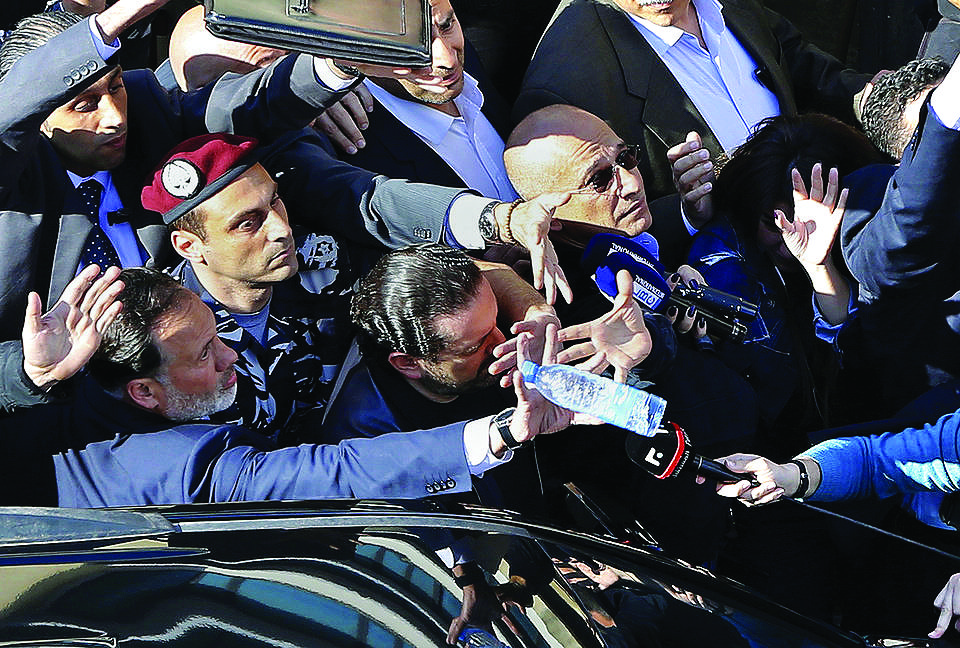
(161,367)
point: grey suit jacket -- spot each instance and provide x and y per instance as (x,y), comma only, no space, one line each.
(592,56)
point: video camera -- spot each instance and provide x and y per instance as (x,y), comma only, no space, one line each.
(606,254)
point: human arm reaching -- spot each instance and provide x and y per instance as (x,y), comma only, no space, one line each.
(810,238)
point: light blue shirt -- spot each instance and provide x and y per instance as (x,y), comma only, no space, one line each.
(121,235)
(469,144)
(721,80)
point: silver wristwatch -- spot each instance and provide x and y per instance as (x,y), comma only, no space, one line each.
(489,229)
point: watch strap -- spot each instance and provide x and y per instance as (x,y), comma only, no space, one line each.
(502,421)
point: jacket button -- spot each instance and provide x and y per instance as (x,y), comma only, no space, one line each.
(451,483)
(75,73)
(67,81)
(430,488)
(93,65)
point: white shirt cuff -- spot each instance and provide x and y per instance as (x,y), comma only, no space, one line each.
(103,49)
(464,220)
(327,77)
(476,445)
(691,230)
(945,99)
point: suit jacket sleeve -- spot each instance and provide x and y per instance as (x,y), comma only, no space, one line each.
(266,103)
(69,63)
(327,195)
(16,389)
(204,463)
(908,245)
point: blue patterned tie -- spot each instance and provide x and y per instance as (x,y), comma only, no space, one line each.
(98,248)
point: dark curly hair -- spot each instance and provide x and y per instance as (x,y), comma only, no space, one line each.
(883,111)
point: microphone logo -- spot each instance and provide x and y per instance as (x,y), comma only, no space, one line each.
(653,457)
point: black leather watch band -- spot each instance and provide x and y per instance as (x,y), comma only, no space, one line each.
(502,421)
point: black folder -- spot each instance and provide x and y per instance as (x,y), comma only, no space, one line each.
(385,32)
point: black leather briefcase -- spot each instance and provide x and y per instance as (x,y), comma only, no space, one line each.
(387,32)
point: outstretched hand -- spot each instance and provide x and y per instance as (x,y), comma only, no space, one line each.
(530,225)
(535,414)
(816,217)
(58,343)
(763,481)
(620,338)
(506,352)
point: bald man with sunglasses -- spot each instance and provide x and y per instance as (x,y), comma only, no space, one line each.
(563,148)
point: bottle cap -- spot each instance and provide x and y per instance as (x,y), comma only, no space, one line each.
(529,371)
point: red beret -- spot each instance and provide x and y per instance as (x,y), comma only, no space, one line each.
(196,170)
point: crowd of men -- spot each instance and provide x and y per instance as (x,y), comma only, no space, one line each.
(271,275)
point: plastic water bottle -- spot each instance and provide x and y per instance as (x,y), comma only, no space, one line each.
(612,402)
(479,638)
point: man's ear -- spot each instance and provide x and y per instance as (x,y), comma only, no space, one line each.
(406,364)
(188,245)
(145,393)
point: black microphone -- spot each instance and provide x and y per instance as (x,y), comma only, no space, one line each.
(668,453)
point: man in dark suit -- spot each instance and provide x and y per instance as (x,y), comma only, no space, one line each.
(70,117)
(161,367)
(899,237)
(443,125)
(620,60)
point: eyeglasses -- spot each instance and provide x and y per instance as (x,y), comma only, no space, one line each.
(627,159)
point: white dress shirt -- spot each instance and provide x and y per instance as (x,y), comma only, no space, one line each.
(721,80)
(469,144)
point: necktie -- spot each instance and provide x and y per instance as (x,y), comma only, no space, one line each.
(97,249)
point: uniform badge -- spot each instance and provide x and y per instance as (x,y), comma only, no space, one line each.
(182,179)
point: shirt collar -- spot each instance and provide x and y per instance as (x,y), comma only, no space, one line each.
(429,123)
(708,13)
(103,177)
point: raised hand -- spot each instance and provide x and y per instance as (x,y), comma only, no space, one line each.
(506,352)
(693,176)
(816,217)
(619,338)
(57,344)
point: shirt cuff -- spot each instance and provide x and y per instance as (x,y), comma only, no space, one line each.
(945,100)
(463,221)
(476,445)
(103,49)
(691,230)
(327,78)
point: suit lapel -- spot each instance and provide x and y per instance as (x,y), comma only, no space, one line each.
(667,110)
(763,48)
(73,233)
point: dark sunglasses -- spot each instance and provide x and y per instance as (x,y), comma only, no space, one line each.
(626,159)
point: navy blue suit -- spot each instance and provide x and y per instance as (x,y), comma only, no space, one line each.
(96,450)
(900,236)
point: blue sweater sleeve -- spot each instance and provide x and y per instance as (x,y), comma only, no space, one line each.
(914,460)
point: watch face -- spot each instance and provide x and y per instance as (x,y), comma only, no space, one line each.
(487,224)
